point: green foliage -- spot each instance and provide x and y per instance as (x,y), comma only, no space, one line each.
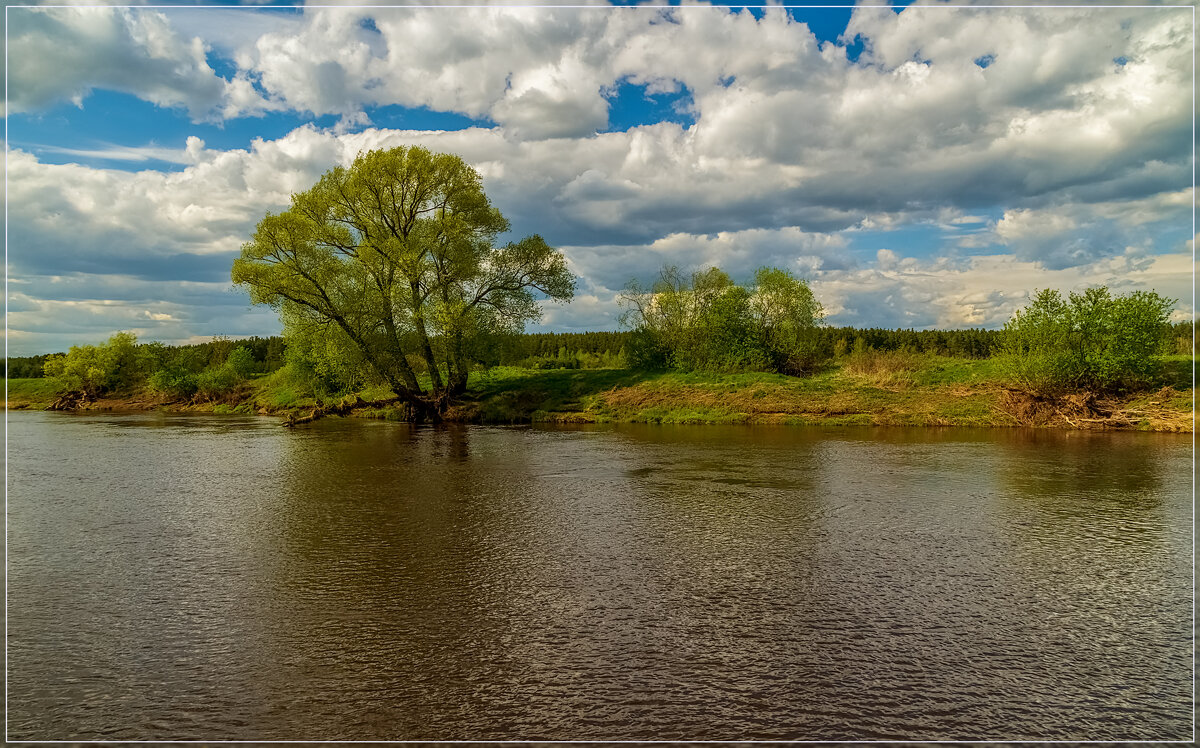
(180,373)
(219,350)
(648,350)
(605,346)
(395,256)
(706,322)
(788,315)
(836,342)
(26,367)
(241,362)
(173,370)
(219,380)
(1091,341)
(322,363)
(173,381)
(214,382)
(97,369)
(1182,339)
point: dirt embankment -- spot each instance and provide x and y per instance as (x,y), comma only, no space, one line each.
(1159,411)
(81,401)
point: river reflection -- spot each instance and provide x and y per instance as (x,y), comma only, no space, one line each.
(209,578)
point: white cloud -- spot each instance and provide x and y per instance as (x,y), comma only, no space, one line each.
(739,253)
(63,53)
(983,291)
(1081,233)
(915,124)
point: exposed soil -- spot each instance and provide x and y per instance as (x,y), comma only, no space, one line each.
(1086,410)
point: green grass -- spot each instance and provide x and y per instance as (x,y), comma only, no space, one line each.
(888,390)
(937,390)
(33,394)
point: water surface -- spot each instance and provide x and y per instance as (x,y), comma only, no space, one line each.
(185,577)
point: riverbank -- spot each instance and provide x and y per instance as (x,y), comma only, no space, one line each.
(919,391)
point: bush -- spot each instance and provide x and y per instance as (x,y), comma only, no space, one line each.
(647,350)
(173,381)
(550,362)
(218,381)
(97,369)
(213,383)
(323,360)
(1092,341)
(705,321)
(241,362)
(786,317)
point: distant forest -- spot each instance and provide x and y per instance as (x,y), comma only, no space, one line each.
(589,350)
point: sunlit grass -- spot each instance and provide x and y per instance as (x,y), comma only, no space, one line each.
(33,394)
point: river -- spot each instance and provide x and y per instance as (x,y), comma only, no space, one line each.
(207,578)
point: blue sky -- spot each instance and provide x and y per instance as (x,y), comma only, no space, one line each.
(921,166)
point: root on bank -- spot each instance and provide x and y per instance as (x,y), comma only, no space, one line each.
(1086,410)
(73,400)
(344,408)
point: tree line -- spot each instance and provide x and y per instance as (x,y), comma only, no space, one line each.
(597,350)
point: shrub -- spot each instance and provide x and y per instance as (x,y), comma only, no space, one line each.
(786,316)
(705,321)
(1090,341)
(218,381)
(96,369)
(241,362)
(174,381)
(214,382)
(647,350)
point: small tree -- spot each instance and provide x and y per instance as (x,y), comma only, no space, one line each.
(787,314)
(706,321)
(1090,341)
(95,369)
(697,321)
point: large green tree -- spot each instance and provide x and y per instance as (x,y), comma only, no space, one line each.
(394,259)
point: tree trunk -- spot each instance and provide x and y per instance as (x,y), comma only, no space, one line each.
(435,376)
(459,367)
(406,372)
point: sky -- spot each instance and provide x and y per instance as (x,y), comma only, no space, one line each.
(922,166)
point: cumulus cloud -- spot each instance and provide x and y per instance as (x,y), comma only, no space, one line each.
(983,291)
(916,123)
(1072,234)
(539,72)
(739,253)
(63,53)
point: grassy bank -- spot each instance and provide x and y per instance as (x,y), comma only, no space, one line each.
(31,394)
(902,391)
(884,389)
